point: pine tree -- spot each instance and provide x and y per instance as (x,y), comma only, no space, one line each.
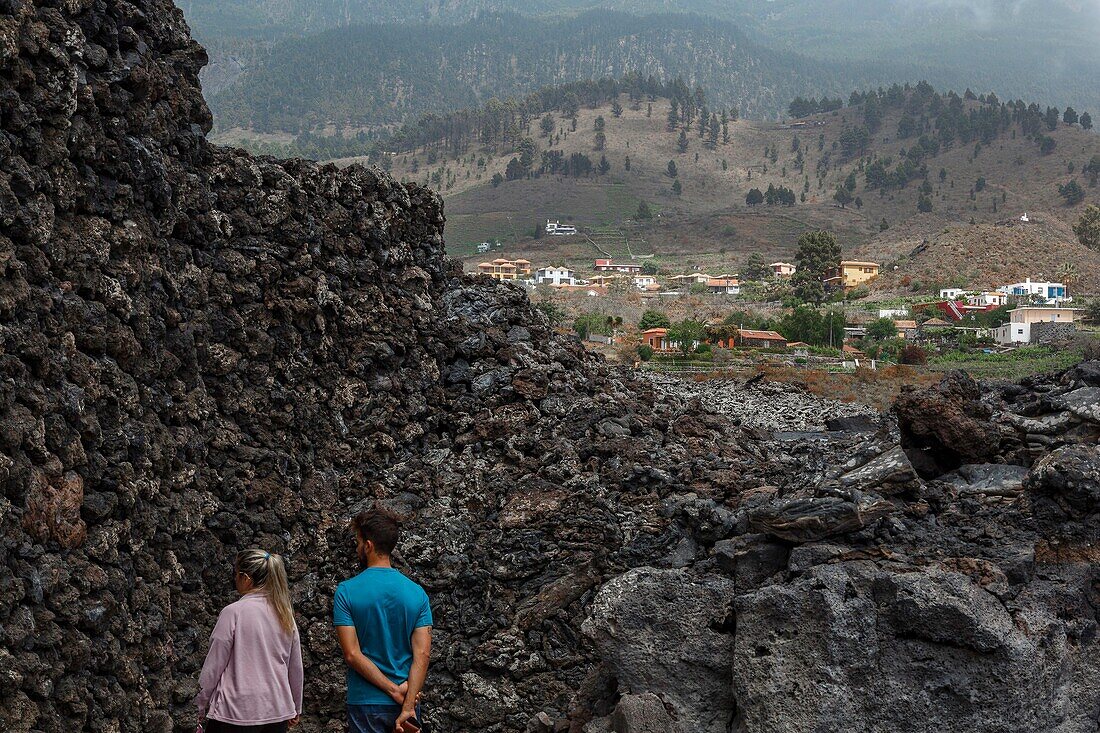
(676,187)
(1070,116)
(682,143)
(603,166)
(673,116)
(1086,121)
(672,172)
(616,108)
(626,163)
(601,140)
(546,124)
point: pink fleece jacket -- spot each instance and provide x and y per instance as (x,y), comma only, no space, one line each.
(253,671)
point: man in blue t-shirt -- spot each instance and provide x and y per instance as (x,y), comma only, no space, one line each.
(384,623)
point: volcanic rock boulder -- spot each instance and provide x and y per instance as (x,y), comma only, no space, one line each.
(946,426)
(858,646)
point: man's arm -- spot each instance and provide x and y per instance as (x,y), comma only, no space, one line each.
(422,650)
(368,670)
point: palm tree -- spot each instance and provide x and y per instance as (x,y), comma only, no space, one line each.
(1068,273)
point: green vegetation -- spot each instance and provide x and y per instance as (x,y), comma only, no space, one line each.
(813,327)
(653,319)
(1010,365)
(818,252)
(1087,228)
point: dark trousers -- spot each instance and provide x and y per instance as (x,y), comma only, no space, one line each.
(217,726)
(374,718)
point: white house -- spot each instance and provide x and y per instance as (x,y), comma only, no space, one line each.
(556,229)
(644,281)
(483,247)
(983,300)
(724,285)
(893,313)
(555,276)
(783,269)
(1050,293)
(951,293)
(1020,321)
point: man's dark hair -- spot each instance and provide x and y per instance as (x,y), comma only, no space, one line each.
(379,525)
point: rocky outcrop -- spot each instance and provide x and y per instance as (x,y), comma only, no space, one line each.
(865,597)
(202,351)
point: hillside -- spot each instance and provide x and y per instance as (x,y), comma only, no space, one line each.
(709,223)
(1043,51)
(376,75)
(987,255)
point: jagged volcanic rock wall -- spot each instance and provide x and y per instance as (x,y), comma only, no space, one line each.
(201,351)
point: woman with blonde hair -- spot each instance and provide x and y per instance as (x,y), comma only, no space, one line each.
(252,677)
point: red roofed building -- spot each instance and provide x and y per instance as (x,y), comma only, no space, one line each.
(760,339)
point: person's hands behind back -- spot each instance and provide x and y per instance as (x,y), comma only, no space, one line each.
(399,693)
(406,722)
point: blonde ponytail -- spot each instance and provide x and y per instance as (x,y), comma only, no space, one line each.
(268,573)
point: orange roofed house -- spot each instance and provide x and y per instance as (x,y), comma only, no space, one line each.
(501,269)
(851,274)
(760,339)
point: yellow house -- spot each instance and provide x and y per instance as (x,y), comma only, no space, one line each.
(851,274)
(501,269)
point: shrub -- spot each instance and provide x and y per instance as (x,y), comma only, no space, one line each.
(913,354)
(645,352)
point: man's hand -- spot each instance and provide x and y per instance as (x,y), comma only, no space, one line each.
(294,721)
(398,693)
(403,725)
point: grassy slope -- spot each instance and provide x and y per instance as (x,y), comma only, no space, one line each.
(710,226)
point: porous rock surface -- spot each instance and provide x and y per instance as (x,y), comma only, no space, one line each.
(202,351)
(764,405)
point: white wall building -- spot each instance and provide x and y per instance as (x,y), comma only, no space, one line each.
(1020,321)
(982,300)
(1050,293)
(555,276)
(951,293)
(557,229)
(644,281)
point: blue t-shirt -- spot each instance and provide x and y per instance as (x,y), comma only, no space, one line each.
(384,607)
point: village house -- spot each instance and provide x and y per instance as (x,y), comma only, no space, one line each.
(851,274)
(935,330)
(1032,324)
(603,280)
(556,229)
(605,265)
(656,339)
(724,286)
(987,300)
(952,293)
(483,247)
(782,269)
(695,278)
(907,329)
(502,269)
(644,282)
(1045,292)
(555,276)
(760,339)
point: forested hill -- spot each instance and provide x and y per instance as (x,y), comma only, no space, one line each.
(375,75)
(1045,51)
